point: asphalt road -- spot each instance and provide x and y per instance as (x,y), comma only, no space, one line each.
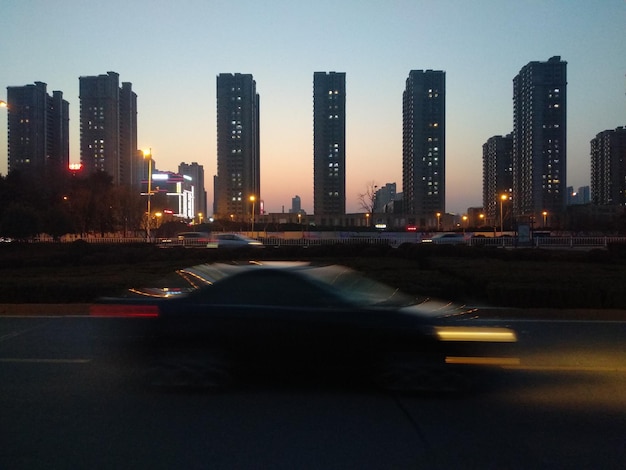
(66,403)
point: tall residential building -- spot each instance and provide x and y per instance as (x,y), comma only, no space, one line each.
(108,129)
(238,147)
(383,197)
(497,174)
(539,139)
(131,159)
(38,130)
(424,146)
(329,146)
(296,205)
(196,173)
(581,196)
(608,167)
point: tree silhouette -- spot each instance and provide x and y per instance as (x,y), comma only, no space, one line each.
(20,221)
(367,200)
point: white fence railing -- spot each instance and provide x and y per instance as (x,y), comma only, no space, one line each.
(388,238)
(548,242)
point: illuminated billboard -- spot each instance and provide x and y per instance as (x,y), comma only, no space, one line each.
(179,190)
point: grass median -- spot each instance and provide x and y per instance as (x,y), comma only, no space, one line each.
(80,273)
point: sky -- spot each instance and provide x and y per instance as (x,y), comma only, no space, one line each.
(172,52)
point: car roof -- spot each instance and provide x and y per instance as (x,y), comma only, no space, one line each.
(279,283)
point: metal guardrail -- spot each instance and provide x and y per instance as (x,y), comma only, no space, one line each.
(548,242)
(391,240)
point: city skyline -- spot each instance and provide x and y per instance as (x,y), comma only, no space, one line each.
(174,55)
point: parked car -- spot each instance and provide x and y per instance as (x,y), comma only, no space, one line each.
(446,239)
(276,321)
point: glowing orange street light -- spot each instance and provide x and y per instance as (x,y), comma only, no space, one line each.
(252,200)
(147,154)
(503,198)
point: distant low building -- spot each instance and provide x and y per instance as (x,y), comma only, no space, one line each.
(178,190)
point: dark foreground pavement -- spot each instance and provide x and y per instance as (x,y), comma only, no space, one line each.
(64,403)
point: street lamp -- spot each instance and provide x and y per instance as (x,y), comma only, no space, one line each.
(545,218)
(252,200)
(464,222)
(503,198)
(438,221)
(3,104)
(367,219)
(147,154)
(199,218)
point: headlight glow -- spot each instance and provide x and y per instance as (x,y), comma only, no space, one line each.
(475,334)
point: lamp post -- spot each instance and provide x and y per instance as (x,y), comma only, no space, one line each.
(367,219)
(3,104)
(545,218)
(438,221)
(503,198)
(147,154)
(199,218)
(464,222)
(252,200)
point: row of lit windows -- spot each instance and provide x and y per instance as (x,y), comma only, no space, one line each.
(237,196)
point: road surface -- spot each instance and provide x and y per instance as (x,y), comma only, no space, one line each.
(65,403)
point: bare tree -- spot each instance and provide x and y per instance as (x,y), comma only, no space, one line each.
(367,200)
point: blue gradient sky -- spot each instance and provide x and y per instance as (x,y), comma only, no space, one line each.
(172,51)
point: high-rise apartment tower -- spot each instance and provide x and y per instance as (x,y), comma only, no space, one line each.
(108,128)
(238,141)
(38,130)
(424,146)
(608,168)
(497,175)
(539,139)
(329,146)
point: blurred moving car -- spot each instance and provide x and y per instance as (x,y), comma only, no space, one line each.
(216,325)
(234,240)
(446,239)
(188,240)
